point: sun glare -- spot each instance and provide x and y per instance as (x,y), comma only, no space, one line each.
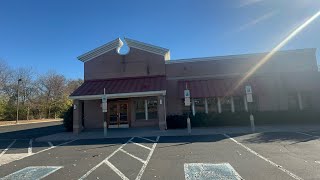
(277,48)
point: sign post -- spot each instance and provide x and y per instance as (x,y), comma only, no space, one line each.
(104,106)
(187,102)
(250,100)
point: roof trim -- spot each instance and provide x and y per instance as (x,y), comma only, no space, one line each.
(239,56)
(148,47)
(120,95)
(115,44)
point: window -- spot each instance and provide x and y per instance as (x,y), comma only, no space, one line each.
(293,102)
(238,103)
(306,100)
(225,104)
(253,106)
(140,109)
(152,108)
(212,105)
(199,105)
(185,109)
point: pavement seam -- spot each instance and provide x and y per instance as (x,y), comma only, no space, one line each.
(266,159)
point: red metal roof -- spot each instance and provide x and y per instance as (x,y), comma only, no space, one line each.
(216,87)
(121,85)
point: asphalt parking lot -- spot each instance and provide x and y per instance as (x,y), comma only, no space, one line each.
(270,155)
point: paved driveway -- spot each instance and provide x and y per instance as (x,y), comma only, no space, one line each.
(274,155)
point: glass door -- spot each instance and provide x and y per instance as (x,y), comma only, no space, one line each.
(118,115)
(123,115)
(113,115)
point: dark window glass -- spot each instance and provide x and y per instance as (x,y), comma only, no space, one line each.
(140,113)
(199,105)
(253,106)
(153,108)
(306,100)
(238,103)
(212,105)
(225,104)
(185,109)
(293,103)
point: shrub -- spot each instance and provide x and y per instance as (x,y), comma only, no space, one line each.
(242,119)
(176,121)
(68,119)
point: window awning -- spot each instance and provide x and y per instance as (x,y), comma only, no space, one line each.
(122,87)
(216,87)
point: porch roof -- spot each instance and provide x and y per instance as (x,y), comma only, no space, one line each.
(131,86)
(217,87)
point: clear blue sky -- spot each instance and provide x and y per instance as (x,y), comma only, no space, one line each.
(49,35)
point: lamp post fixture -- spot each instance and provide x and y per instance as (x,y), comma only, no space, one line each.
(19,80)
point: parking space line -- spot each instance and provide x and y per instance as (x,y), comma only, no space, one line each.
(146,139)
(50,144)
(266,159)
(310,135)
(5,150)
(106,159)
(148,159)
(30,147)
(116,170)
(135,157)
(140,145)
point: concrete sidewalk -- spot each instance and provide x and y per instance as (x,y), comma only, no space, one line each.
(144,132)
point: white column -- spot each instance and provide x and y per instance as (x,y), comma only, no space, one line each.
(193,108)
(206,105)
(146,109)
(300,101)
(245,103)
(232,104)
(219,105)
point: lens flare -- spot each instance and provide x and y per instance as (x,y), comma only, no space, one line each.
(274,50)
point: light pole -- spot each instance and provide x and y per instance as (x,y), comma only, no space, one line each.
(18,101)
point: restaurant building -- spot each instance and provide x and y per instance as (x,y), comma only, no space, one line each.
(143,86)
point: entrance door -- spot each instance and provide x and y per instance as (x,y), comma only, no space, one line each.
(118,115)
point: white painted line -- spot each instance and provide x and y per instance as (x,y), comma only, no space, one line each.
(5,150)
(140,145)
(116,170)
(266,159)
(310,135)
(30,147)
(106,159)
(146,139)
(147,161)
(36,152)
(50,144)
(137,158)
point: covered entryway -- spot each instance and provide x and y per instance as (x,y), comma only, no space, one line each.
(118,115)
(132,102)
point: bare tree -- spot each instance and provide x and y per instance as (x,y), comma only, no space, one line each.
(52,87)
